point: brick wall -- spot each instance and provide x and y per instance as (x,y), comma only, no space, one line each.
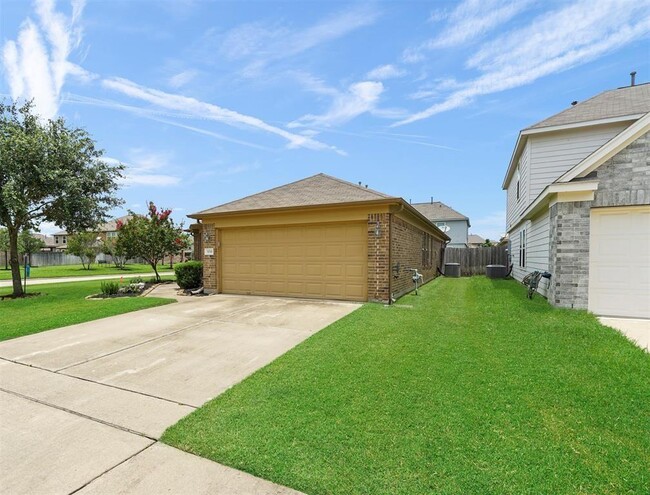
(569,254)
(379,227)
(209,262)
(407,245)
(623,180)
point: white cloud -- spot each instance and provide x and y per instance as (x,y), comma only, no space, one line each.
(491,226)
(470,20)
(182,78)
(361,97)
(263,43)
(47,228)
(553,42)
(141,164)
(36,64)
(203,110)
(387,71)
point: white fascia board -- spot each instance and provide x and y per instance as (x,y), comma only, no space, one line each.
(608,150)
(550,194)
(519,145)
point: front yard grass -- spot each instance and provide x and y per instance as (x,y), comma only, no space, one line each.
(80,271)
(64,304)
(469,388)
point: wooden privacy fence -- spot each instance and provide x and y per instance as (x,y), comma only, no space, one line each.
(474,260)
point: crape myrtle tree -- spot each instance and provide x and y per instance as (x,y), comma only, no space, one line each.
(86,246)
(151,236)
(115,249)
(50,172)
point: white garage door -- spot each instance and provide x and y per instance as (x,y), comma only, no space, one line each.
(619,262)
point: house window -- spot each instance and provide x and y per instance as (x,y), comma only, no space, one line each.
(522,248)
(111,235)
(64,240)
(56,239)
(518,186)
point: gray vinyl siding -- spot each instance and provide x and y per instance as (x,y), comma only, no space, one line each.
(457,232)
(538,248)
(555,153)
(517,207)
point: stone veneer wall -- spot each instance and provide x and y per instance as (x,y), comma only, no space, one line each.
(623,180)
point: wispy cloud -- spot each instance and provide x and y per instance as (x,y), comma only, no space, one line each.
(361,97)
(553,42)
(36,64)
(387,71)
(470,20)
(204,110)
(143,167)
(182,78)
(264,42)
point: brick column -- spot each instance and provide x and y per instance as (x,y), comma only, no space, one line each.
(379,257)
(569,254)
(209,240)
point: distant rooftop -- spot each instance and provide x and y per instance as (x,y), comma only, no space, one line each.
(475,239)
(621,102)
(436,211)
(320,189)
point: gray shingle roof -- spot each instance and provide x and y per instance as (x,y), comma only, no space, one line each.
(630,100)
(319,189)
(475,239)
(111,225)
(438,211)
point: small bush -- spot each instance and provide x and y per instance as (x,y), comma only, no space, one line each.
(110,288)
(189,275)
(136,280)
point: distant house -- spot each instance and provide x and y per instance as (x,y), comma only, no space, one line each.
(474,241)
(48,241)
(452,223)
(105,231)
(578,189)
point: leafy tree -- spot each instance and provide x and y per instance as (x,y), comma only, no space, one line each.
(86,246)
(50,172)
(487,243)
(28,244)
(4,245)
(115,249)
(151,237)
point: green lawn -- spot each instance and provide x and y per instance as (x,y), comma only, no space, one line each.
(63,304)
(79,271)
(469,388)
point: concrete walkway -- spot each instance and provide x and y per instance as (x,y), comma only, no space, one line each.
(61,280)
(637,330)
(83,406)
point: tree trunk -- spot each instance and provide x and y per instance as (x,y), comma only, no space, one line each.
(155,269)
(6,260)
(15,262)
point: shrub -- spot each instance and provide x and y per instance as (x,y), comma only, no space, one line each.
(189,275)
(110,288)
(136,280)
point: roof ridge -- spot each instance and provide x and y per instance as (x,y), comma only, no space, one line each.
(342,181)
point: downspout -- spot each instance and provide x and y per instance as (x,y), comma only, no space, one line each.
(391,299)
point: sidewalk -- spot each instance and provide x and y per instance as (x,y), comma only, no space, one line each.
(60,280)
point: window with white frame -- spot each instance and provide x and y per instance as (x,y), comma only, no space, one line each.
(522,248)
(111,235)
(518,185)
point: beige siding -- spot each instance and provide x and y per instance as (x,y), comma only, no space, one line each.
(516,207)
(555,153)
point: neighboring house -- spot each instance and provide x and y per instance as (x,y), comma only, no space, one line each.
(48,241)
(105,231)
(452,223)
(578,188)
(474,241)
(319,237)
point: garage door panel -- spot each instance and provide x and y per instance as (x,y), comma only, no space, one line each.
(619,262)
(324,261)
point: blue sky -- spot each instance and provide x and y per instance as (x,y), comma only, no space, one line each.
(209,101)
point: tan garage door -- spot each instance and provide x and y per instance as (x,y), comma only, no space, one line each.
(619,262)
(321,261)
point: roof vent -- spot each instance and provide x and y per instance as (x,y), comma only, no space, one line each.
(632,77)
(574,103)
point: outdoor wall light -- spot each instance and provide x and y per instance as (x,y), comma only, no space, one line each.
(377,229)
(206,236)
(396,268)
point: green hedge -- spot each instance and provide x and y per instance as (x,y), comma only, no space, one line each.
(189,275)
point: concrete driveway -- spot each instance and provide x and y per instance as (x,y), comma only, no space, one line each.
(81,407)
